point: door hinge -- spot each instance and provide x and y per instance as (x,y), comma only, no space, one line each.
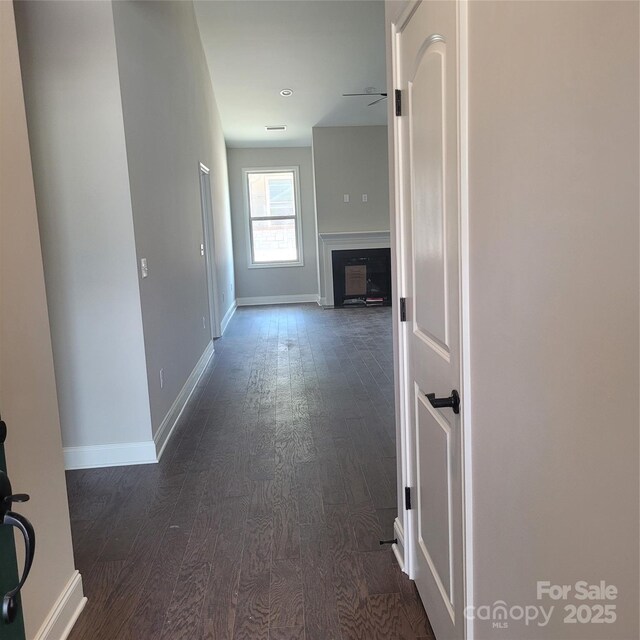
(403,309)
(398,99)
(407,498)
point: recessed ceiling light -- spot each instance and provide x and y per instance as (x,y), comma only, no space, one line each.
(276,127)
(286,93)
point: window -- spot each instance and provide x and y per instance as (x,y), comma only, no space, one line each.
(274,216)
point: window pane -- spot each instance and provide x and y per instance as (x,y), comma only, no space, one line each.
(281,190)
(274,240)
(283,209)
(271,194)
(257,195)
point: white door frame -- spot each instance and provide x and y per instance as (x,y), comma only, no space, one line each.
(405,450)
(208,238)
(404,524)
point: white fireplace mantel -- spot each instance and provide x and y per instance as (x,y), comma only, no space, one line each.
(345,240)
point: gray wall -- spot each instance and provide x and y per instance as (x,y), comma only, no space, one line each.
(276,281)
(351,160)
(171,124)
(72,92)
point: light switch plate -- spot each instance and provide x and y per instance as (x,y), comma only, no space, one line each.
(346,197)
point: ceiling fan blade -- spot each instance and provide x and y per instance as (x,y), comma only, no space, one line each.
(376,101)
(364,94)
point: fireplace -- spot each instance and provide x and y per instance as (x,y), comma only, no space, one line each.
(361,277)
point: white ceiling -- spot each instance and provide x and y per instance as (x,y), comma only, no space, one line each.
(318,48)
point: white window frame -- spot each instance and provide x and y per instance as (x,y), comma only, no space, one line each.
(247,216)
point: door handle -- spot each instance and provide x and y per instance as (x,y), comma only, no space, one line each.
(452,401)
(11,519)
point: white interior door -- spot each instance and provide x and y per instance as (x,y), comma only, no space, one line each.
(208,245)
(426,53)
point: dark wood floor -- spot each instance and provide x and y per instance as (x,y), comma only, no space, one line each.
(263,518)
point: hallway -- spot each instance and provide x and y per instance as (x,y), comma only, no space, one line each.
(263,519)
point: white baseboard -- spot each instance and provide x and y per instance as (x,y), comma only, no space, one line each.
(292,299)
(109,455)
(163,435)
(399,548)
(65,612)
(228,316)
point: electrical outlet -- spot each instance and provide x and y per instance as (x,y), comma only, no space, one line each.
(204,323)
(365,197)
(345,197)
(144,269)
(201,249)
(162,378)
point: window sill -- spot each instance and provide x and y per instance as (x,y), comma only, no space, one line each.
(275,265)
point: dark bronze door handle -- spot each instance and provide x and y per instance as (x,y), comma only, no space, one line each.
(452,401)
(11,519)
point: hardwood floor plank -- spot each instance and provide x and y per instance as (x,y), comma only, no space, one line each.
(285,457)
(309,493)
(387,617)
(252,618)
(261,468)
(239,480)
(262,496)
(231,513)
(331,479)
(291,633)
(340,534)
(320,607)
(98,585)
(286,529)
(351,597)
(286,598)
(221,600)
(186,508)
(147,618)
(121,540)
(355,484)
(258,544)
(379,574)
(366,528)
(183,614)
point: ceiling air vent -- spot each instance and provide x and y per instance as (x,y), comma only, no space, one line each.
(276,127)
